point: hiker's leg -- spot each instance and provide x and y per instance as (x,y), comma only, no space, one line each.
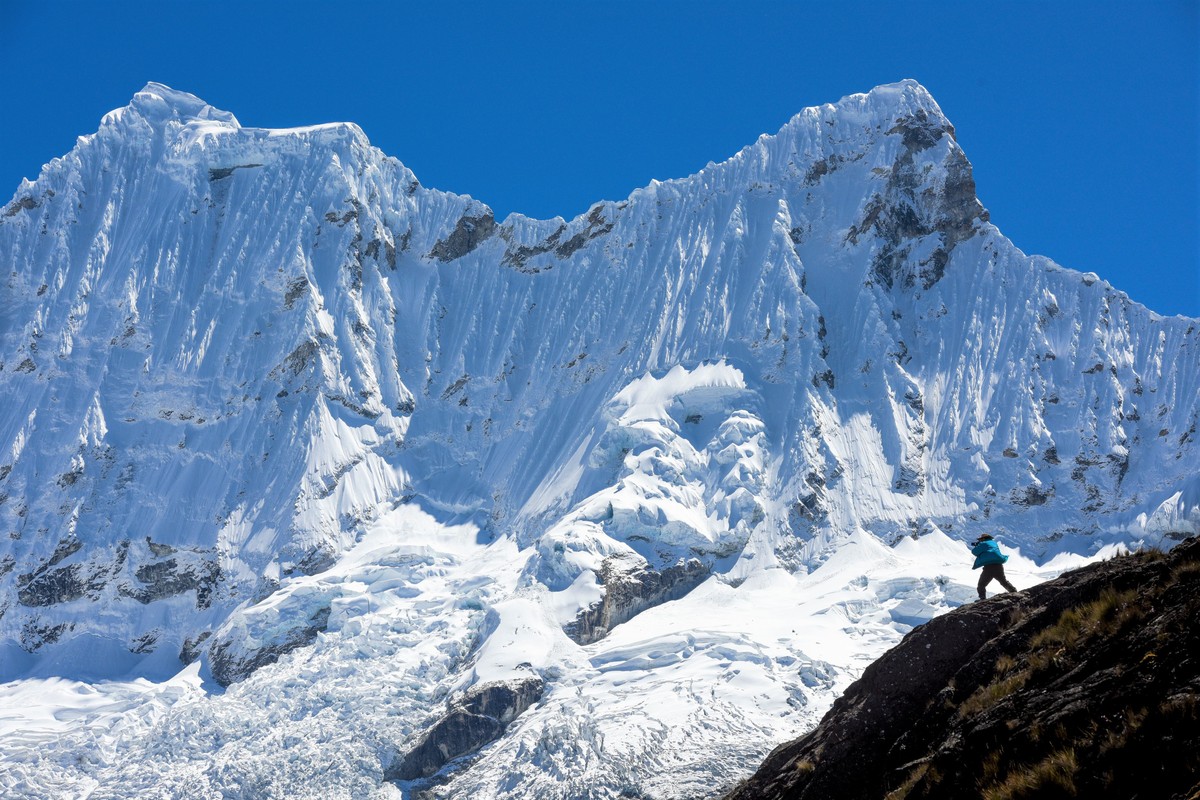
(984,579)
(1003,580)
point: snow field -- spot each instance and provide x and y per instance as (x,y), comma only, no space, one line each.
(689,692)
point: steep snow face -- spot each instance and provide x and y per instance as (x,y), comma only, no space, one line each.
(239,359)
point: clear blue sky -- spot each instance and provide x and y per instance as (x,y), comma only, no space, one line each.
(1081,118)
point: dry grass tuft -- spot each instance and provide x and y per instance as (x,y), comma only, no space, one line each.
(1105,615)
(1185,571)
(987,696)
(921,773)
(1054,776)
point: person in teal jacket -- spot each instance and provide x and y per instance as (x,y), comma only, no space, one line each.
(987,555)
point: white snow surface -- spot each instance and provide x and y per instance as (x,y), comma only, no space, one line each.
(267,393)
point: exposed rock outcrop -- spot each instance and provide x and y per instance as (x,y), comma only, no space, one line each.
(49,584)
(1086,686)
(952,212)
(231,658)
(630,591)
(468,233)
(170,577)
(474,719)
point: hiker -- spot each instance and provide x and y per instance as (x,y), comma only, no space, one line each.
(987,555)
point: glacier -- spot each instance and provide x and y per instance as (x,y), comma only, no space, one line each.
(298,452)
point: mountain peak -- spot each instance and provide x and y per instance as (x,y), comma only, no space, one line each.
(186,127)
(906,91)
(885,105)
(157,102)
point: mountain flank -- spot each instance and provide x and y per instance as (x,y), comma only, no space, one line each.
(1085,686)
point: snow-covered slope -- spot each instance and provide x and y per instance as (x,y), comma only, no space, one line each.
(354,446)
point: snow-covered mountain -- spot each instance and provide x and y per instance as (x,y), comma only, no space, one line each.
(658,480)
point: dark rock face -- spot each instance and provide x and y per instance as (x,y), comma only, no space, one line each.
(51,584)
(389,251)
(220,173)
(468,234)
(47,586)
(473,720)
(54,586)
(169,578)
(191,649)
(24,204)
(1031,496)
(630,591)
(1085,686)
(517,256)
(899,217)
(230,662)
(34,636)
(597,226)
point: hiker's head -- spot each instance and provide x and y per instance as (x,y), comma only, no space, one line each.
(984,537)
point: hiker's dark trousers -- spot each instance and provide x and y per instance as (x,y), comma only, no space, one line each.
(993,572)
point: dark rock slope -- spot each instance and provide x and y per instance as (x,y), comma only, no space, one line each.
(473,720)
(1085,686)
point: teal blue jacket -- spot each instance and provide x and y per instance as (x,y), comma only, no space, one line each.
(987,553)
